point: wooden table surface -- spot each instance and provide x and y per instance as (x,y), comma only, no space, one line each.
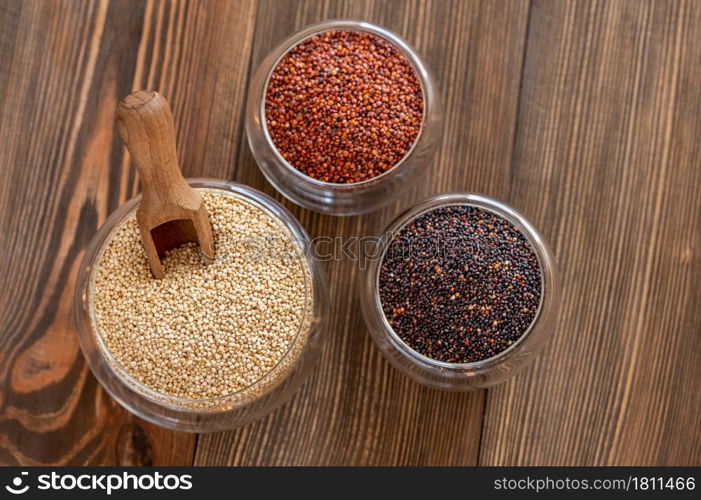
(584,115)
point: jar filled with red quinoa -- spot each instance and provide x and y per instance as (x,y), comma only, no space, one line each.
(463,294)
(342,117)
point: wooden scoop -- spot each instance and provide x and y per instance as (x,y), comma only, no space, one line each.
(171,212)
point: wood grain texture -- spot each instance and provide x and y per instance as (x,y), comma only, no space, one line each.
(607,164)
(356,409)
(585,116)
(65,66)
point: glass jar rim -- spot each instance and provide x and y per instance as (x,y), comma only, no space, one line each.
(545,262)
(283,48)
(245,193)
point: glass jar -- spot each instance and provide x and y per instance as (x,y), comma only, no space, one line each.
(461,376)
(352,198)
(219,413)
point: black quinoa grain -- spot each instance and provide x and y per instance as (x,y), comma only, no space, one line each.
(460,284)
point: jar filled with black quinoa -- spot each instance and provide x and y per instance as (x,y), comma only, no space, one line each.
(463,293)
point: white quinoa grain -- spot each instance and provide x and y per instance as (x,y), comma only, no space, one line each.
(205,331)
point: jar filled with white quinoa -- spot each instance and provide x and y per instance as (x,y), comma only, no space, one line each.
(210,346)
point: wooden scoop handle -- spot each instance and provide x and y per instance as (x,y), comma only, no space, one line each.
(170,212)
(146,126)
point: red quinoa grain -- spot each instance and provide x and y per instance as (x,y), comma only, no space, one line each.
(344,106)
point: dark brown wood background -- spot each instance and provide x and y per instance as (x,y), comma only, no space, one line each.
(584,115)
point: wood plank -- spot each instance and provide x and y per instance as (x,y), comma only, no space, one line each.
(65,65)
(607,164)
(356,409)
